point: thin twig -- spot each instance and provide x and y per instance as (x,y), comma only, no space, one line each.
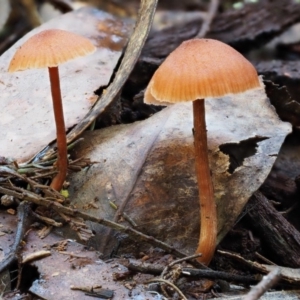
(46,189)
(166,269)
(179,292)
(47,220)
(156,269)
(266,283)
(22,194)
(44,175)
(264,259)
(213,8)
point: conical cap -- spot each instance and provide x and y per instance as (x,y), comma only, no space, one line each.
(198,69)
(49,48)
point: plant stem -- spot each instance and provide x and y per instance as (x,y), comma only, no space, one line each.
(208,212)
(62,160)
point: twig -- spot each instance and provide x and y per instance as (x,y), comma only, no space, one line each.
(23,223)
(22,194)
(94,291)
(72,254)
(264,259)
(46,220)
(166,269)
(84,288)
(179,292)
(36,256)
(266,283)
(44,175)
(55,195)
(213,8)
(155,269)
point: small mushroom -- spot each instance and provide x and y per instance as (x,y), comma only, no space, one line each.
(49,48)
(198,69)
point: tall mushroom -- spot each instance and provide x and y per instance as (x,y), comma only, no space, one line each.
(198,69)
(49,48)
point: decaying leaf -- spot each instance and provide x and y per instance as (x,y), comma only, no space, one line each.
(70,274)
(147,168)
(26,109)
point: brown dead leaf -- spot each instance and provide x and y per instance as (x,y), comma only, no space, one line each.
(26,115)
(147,168)
(76,268)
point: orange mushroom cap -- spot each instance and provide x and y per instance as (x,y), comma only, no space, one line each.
(201,68)
(49,48)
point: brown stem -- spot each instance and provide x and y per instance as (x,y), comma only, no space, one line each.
(62,160)
(208,212)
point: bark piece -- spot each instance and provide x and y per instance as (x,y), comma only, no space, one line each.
(287,108)
(277,235)
(244,29)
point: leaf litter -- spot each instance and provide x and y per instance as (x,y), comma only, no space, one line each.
(235,160)
(25,106)
(147,168)
(68,274)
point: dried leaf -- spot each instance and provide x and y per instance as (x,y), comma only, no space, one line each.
(26,114)
(76,268)
(147,168)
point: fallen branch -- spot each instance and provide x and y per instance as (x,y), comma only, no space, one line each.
(171,284)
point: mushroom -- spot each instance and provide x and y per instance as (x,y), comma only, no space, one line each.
(49,48)
(198,69)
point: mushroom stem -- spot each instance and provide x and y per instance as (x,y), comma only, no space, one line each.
(208,212)
(62,160)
